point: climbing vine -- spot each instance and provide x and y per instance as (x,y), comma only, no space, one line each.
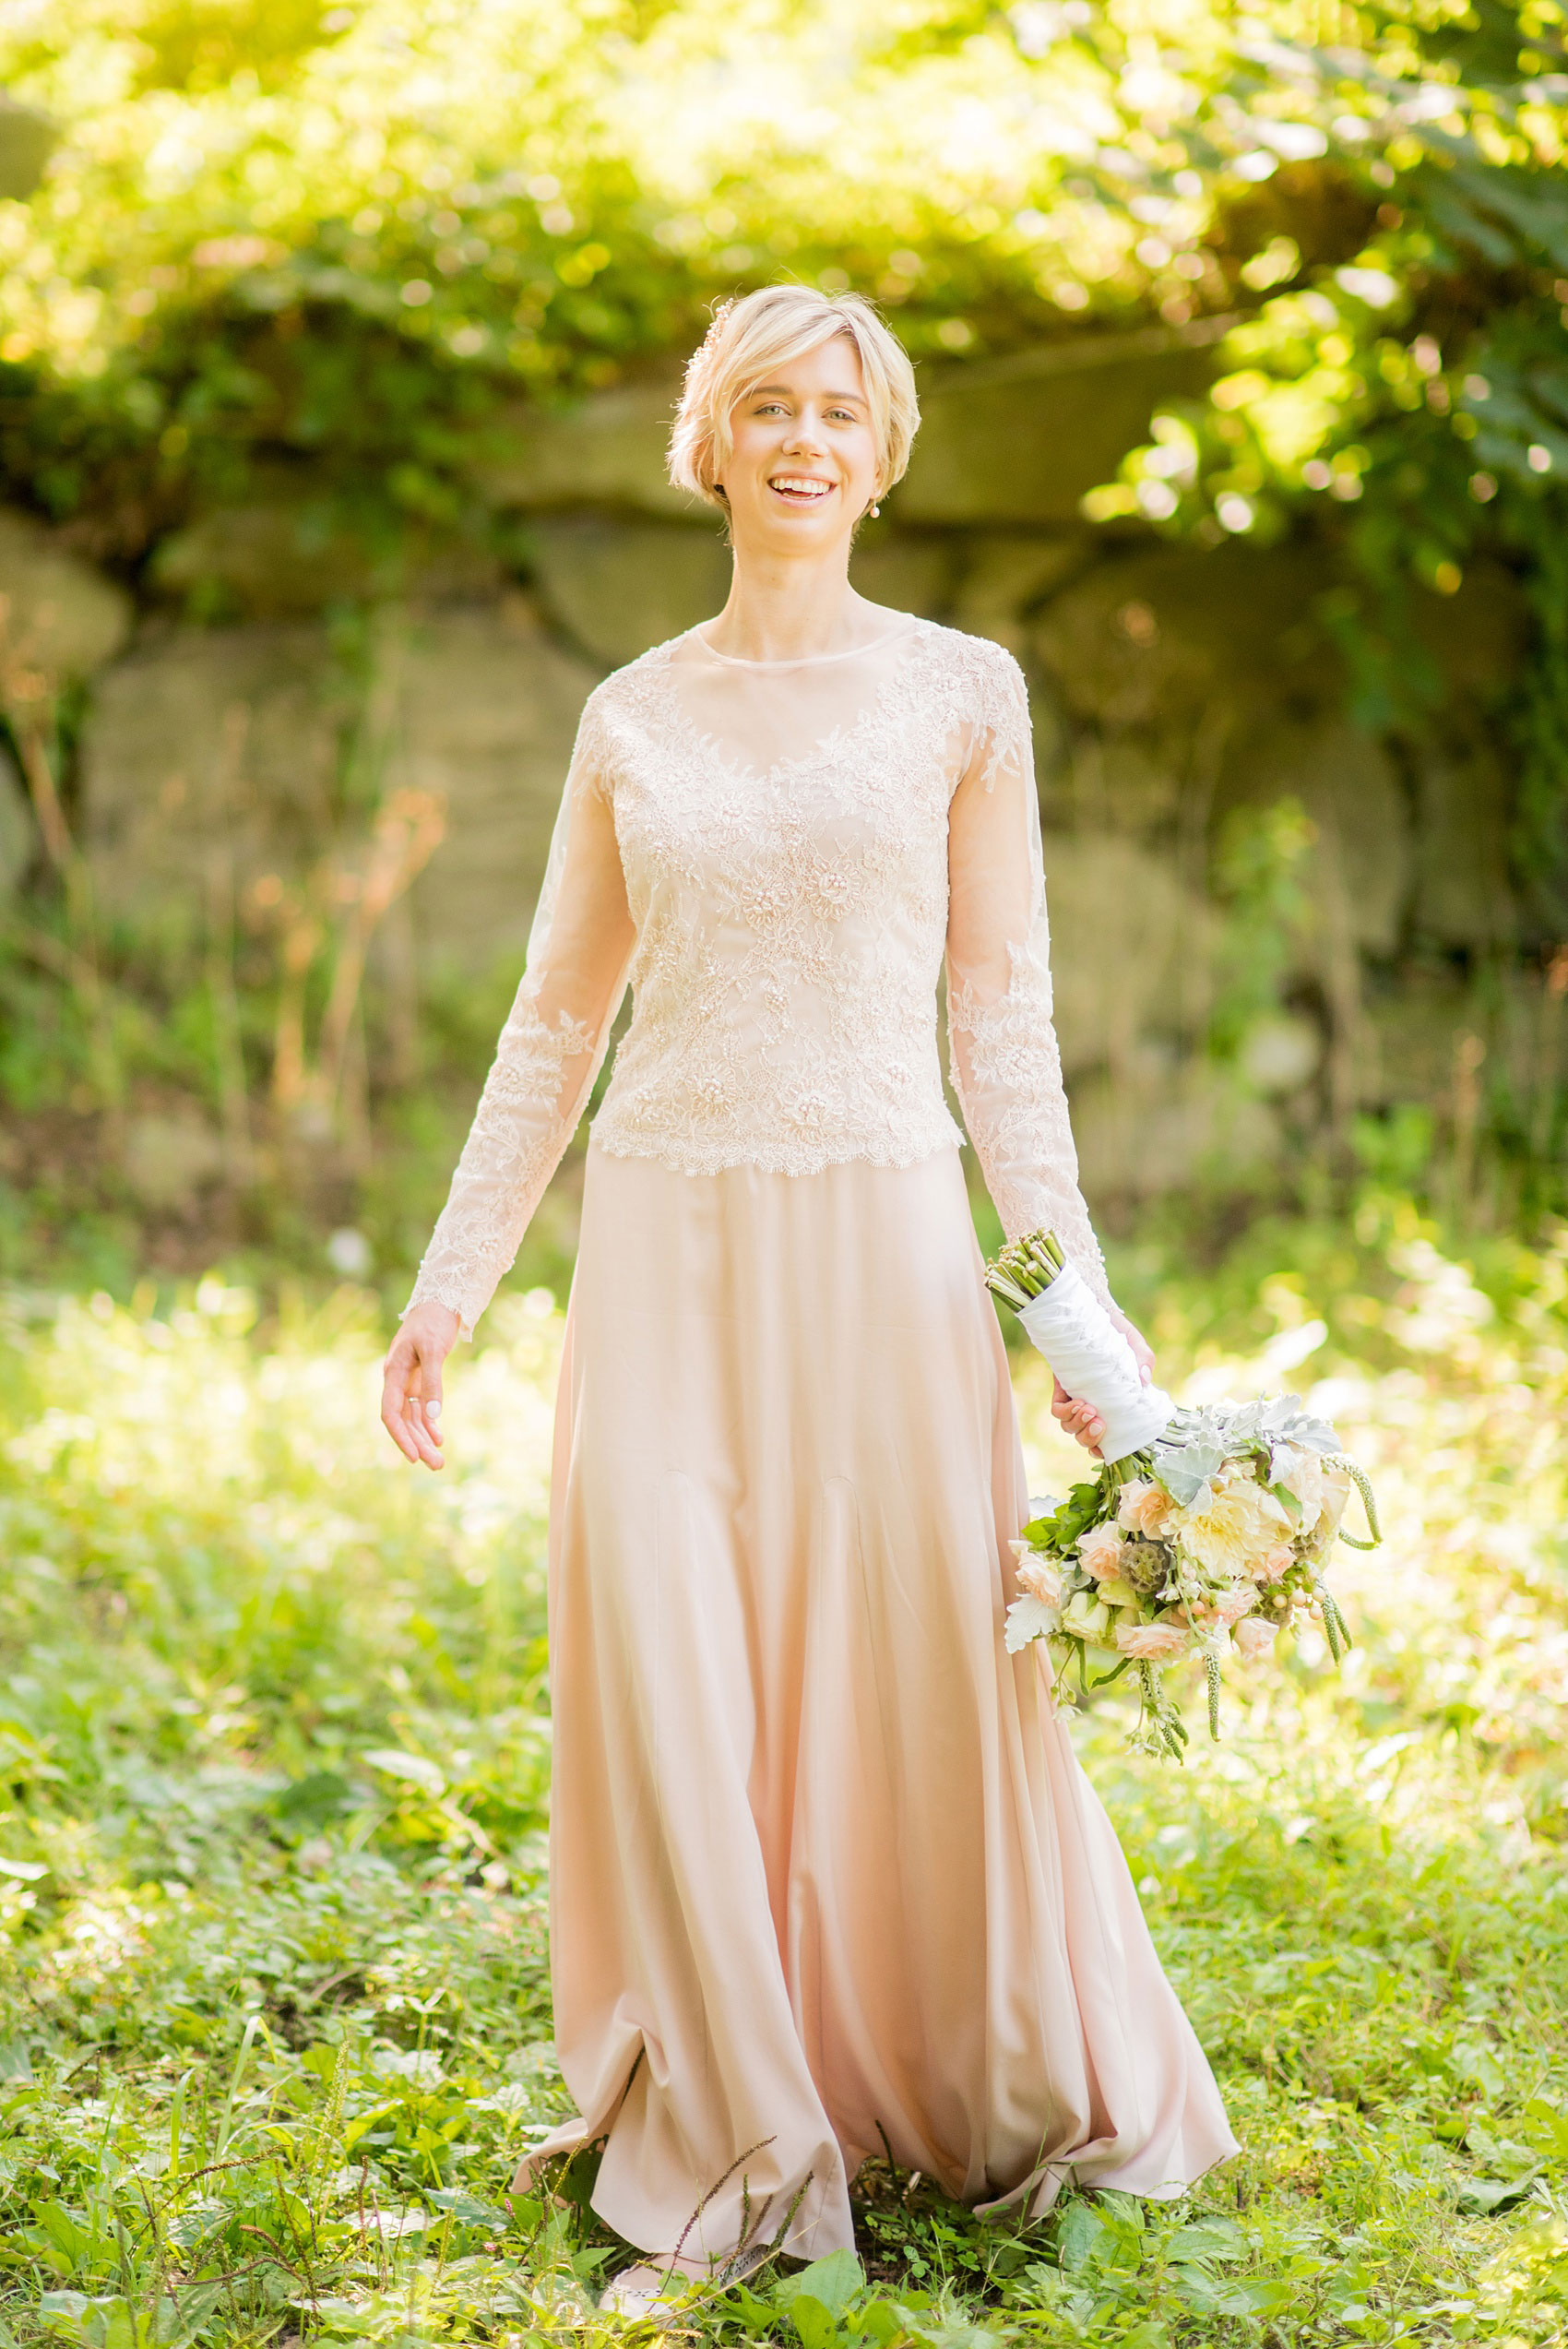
(332,249)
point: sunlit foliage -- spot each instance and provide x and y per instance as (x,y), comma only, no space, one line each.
(341,238)
(274,2020)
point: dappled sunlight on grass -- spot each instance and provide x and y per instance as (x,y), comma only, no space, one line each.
(275,1746)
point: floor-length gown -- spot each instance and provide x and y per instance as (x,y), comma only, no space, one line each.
(826,1876)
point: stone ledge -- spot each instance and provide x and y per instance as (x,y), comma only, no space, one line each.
(61,615)
(609,451)
(284,558)
(618,588)
(1021,439)
(1008,441)
(226,740)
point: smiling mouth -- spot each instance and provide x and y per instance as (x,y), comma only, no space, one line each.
(800,489)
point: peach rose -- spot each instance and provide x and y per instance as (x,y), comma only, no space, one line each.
(1277,1562)
(1153,1642)
(1254,1636)
(1143,1509)
(1100,1550)
(1041,1577)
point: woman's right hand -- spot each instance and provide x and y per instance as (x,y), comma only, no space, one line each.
(1078,1420)
(410,1392)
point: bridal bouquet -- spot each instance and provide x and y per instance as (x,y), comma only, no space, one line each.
(1205,1531)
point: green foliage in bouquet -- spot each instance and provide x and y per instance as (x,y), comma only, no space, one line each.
(1212,1541)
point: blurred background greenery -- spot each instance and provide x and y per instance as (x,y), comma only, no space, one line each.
(337,352)
(337,347)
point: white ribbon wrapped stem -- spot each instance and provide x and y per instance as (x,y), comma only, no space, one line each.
(1096,1364)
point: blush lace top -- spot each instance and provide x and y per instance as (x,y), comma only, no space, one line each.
(777,856)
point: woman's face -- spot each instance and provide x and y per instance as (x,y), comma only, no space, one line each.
(802,465)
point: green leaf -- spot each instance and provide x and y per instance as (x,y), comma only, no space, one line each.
(815,2326)
(832,2281)
(1197,2289)
(413,1770)
(463,2206)
(66,2230)
(1258,2296)
(311,1801)
(1207,2243)
(1080,2237)
(1545,2126)
(16,2063)
(1486,2197)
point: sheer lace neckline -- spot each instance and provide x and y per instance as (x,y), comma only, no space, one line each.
(761,722)
(907,624)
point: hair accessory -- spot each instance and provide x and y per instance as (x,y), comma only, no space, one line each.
(716,326)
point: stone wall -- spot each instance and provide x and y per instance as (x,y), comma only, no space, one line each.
(1170,688)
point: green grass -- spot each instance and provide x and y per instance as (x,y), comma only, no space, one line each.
(274,1761)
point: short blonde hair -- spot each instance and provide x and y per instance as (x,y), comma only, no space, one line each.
(758,331)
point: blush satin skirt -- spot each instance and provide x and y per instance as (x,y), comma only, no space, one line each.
(825,1874)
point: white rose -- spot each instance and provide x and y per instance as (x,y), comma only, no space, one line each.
(1086,1618)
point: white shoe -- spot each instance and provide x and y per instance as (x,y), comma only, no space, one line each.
(651,2290)
(742,2264)
(643,2290)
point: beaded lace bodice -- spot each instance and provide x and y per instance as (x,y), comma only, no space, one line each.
(776,858)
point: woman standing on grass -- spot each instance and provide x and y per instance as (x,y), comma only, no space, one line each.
(826,1876)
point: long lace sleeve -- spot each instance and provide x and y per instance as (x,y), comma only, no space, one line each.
(1006,1067)
(550,1051)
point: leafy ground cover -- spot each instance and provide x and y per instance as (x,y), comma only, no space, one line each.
(274,1758)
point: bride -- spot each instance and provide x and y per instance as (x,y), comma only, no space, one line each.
(826,1876)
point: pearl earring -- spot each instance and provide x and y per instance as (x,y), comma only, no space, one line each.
(873,509)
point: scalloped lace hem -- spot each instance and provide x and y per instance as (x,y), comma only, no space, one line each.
(793,1157)
(454,1293)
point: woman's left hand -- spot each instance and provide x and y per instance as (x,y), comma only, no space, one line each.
(1080,1420)
(1136,1339)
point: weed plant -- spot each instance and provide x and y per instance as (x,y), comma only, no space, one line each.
(274,1762)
